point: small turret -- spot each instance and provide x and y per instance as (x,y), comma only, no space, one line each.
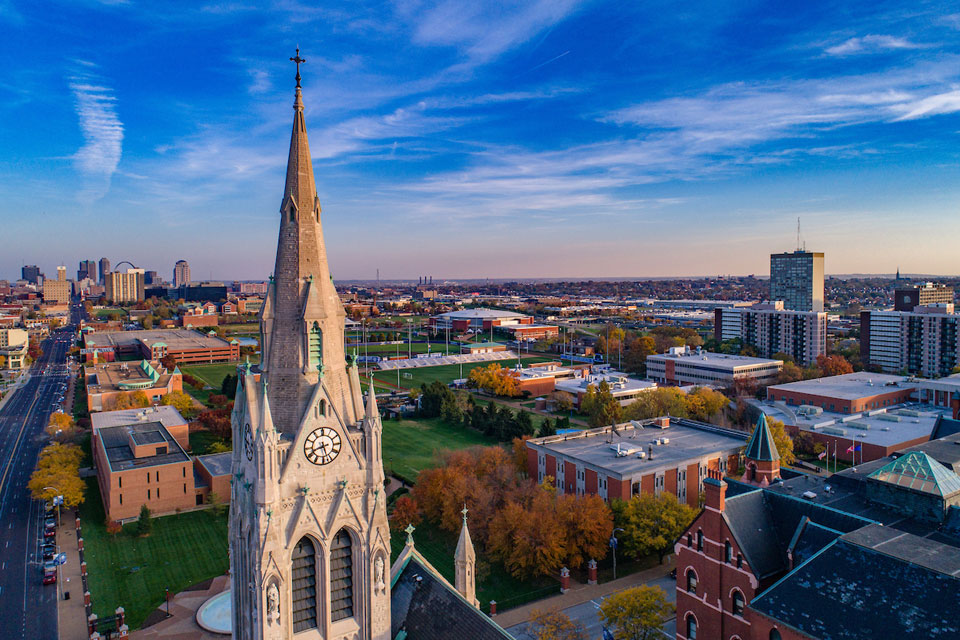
(761,457)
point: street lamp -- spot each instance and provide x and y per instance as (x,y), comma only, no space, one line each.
(166,597)
(613,546)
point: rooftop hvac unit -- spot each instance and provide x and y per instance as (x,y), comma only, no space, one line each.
(809,495)
(641,454)
(665,440)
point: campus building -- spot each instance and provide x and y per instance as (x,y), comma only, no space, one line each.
(141,458)
(847,393)
(107,382)
(663,455)
(476,320)
(771,328)
(797,279)
(14,344)
(531,331)
(685,366)
(922,341)
(808,557)
(623,388)
(921,295)
(185,346)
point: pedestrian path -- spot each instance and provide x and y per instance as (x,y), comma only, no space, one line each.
(580,593)
(71,611)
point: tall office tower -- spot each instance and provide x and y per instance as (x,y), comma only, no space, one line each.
(797,279)
(181,273)
(57,290)
(125,287)
(151,277)
(104,270)
(921,295)
(88,269)
(30,273)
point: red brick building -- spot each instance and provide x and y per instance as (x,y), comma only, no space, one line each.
(664,455)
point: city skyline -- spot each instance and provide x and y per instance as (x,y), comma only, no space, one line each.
(635,136)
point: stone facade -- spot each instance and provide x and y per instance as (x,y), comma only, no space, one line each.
(309,538)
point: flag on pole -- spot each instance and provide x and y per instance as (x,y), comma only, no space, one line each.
(823,454)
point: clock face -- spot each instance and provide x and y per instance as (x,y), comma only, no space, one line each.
(248,442)
(322,445)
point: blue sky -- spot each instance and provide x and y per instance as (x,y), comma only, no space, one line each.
(462,138)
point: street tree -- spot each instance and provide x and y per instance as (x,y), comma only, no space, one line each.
(636,613)
(551,624)
(651,524)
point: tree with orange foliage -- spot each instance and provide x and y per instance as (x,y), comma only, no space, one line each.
(587,522)
(528,539)
(833,365)
(495,380)
(406,511)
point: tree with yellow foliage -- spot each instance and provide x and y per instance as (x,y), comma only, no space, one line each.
(495,380)
(61,425)
(178,400)
(58,473)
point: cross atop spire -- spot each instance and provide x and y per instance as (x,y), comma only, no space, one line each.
(297,59)
(464,512)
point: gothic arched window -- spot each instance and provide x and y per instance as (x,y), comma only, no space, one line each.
(315,345)
(341,576)
(691,628)
(304,597)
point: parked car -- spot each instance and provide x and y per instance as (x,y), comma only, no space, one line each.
(49,533)
(49,553)
(49,577)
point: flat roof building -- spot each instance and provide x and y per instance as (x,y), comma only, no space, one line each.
(685,366)
(663,455)
(847,393)
(771,328)
(923,341)
(797,279)
(477,320)
(183,345)
(14,345)
(920,295)
(622,387)
(107,382)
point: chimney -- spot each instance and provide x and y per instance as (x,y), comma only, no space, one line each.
(715,492)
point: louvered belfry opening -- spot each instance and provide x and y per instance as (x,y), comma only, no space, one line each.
(341,576)
(304,586)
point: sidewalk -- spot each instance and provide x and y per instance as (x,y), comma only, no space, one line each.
(72,614)
(580,593)
(9,391)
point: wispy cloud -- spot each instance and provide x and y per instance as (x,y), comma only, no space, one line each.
(874,43)
(102,130)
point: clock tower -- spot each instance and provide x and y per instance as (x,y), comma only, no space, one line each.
(309,538)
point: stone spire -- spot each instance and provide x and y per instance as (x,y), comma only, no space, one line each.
(371,410)
(302,319)
(465,561)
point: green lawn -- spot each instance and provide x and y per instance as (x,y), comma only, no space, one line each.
(202,440)
(212,374)
(445,373)
(493,582)
(409,446)
(129,571)
(103,313)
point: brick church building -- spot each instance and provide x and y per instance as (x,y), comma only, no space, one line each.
(871,552)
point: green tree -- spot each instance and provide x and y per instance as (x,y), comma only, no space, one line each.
(217,506)
(145,521)
(600,405)
(651,523)
(637,613)
(547,428)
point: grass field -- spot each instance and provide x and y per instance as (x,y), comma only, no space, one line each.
(445,373)
(129,571)
(202,440)
(104,313)
(409,446)
(212,374)
(493,582)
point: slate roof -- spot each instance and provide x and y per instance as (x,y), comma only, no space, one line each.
(850,592)
(425,607)
(760,446)
(764,524)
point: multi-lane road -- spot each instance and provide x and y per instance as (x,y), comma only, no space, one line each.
(28,609)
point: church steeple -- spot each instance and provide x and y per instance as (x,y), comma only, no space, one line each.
(302,318)
(465,564)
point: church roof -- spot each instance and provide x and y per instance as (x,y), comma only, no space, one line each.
(917,470)
(761,446)
(424,606)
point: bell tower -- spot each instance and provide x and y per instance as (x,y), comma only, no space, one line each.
(309,538)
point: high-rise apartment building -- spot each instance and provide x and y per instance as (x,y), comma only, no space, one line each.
(30,273)
(921,341)
(125,287)
(181,273)
(57,290)
(88,269)
(104,270)
(921,295)
(797,279)
(771,329)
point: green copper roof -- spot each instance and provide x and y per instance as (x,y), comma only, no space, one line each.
(919,471)
(760,446)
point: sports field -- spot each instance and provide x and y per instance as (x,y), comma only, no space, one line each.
(445,373)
